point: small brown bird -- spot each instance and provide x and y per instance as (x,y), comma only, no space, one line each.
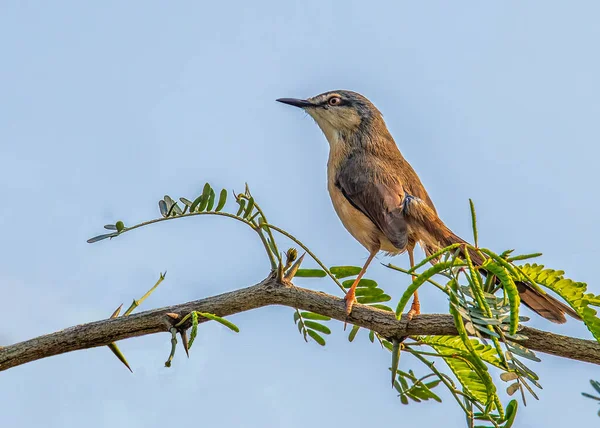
(379,197)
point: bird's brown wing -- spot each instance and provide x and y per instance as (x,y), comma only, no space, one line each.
(388,206)
(380,202)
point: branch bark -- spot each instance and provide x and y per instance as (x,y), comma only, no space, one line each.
(271,292)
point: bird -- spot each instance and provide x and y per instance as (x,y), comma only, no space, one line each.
(379,197)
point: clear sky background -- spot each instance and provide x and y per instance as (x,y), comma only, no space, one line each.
(108,106)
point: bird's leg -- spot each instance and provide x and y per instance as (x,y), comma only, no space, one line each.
(415,308)
(351,294)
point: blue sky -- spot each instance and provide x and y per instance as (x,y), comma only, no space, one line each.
(106,107)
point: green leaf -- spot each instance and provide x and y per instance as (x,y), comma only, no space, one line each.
(316,337)
(382,307)
(162,206)
(204,198)
(435,397)
(101,237)
(242,203)
(296,317)
(186,202)
(432,384)
(449,345)
(344,271)
(365,300)
(194,329)
(524,369)
(522,351)
(353,332)
(523,383)
(511,413)
(403,381)
(460,326)
(480,319)
(418,393)
(220,320)
(523,257)
(573,292)
(511,291)
(175,209)
(366,283)
(476,378)
(508,376)
(313,316)
(169,201)
(486,330)
(372,336)
(514,336)
(502,262)
(195,204)
(301,328)
(310,273)
(476,382)
(317,326)
(410,394)
(249,208)
(170,205)
(593,397)
(222,200)
(395,358)
(211,200)
(473,222)
(425,393)
(512,388)
(369,291)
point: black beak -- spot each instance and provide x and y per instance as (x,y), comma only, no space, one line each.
(296,102)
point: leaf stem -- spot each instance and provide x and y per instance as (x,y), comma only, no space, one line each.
(262,214)
(408,272)
(173,346)
(217,213)
(137,303)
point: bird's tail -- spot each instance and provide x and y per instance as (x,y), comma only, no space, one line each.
(542,304)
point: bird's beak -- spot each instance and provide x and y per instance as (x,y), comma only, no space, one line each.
(296,102)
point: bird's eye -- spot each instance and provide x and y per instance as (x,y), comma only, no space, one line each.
(335,101)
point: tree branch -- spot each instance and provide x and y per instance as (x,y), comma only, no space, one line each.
(270,292)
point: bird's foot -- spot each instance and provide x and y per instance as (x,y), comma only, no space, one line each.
(415,309)
(350,299)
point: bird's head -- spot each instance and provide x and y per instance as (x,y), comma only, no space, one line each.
(338,112)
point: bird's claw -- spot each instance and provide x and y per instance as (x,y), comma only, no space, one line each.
(415,309)
(350,298)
